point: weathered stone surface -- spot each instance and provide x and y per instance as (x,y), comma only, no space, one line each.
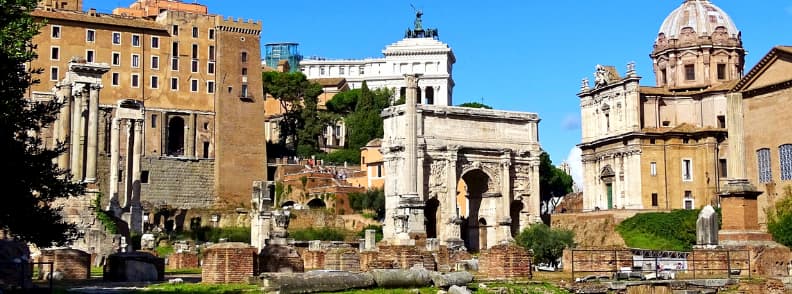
(342,259)
(458,290)
(280,259)
(397,278)
(134,267)
(228,263)
(71,264)
(314,281)
(452,278)
(707,227)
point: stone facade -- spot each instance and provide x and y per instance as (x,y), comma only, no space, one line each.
(227,263)
(494,153)
(507,261)
(663,147)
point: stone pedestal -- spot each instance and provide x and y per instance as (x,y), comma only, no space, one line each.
(134,267)
(740,211)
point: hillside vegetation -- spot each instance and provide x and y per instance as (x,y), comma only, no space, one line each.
(670,231)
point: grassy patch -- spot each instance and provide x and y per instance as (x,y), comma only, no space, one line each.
(521,288)
(164,251)
(674,231)
(324,234)
(202,288)
(183,271)
(97,271)
(427,290)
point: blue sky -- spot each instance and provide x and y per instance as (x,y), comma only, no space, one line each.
(513,55)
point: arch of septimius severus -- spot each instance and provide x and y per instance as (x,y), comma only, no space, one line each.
(464,176)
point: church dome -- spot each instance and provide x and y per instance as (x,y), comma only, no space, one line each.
(695,19)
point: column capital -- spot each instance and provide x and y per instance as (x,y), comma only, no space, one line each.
(96,86)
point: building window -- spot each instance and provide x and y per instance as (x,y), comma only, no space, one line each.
(195,32)
(175,137)
(687,169)
(144,177)
(205,149)
(654,200)
(765,171)
(154,82)
(135,80)
(154,42)
(652,141)
(90,55)
(685,141)
(55,53)
(135,40)
(244,56)
(690,72)
(244,71)
(54,73)
(688,200)
(174,64)
(244,92)
(116,79)
(379,170)
(193,85)
(210,87)
(116,38)
(175,49)
(322,71)
(211,34)
(135,60)
(195,51)
(653,168)
(90,35)
(785,155)
(341,70)
(724,168)
(56,32)
(721,71)
(361,70)
(116,59)
(174,84)
(722,121)
(153,121)
(194,65)
(154,62)
(210,68)
(211,52)
(175,30)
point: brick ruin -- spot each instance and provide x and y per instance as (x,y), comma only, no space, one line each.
(227,263)
(71,263)
(182,260)
(506,261)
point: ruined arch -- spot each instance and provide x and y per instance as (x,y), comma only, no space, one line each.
(431,211)
(316,203)
(477,183)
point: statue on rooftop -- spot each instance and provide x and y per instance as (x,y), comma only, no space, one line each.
(418,14)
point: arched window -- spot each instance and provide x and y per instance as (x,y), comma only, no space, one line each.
(785,156)
(763,165)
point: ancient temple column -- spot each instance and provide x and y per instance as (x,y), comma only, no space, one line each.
(93,134)
(135,207)
(77,124)
(504,220)
(736,167)
(129,162)
(189,136)
(451,219)
(411,146)
(64,121)
(113,189)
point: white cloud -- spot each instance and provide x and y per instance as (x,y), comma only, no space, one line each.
(571,122)
(576,167)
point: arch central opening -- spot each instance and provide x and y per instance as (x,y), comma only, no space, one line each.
(472,209)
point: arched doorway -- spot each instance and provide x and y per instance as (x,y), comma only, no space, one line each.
(476,183)
(316,203)
(431,211)
(514,212)
(175,139)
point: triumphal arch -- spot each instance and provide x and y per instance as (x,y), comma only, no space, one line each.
(463,176)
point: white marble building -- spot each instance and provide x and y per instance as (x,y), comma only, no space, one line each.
(420,54)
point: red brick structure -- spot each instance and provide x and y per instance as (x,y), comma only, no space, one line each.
(183,260)
(506,261)
(718,261)
(72,263)
(343,259)
(227,263)
(313,260)
(404,257)
(280,259)
(597,261)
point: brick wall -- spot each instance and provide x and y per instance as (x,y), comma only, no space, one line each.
(403,257)
(313,260)
(505,262)
(178,182)
(183,260)
(227,263)
(596,261)
(343,259)
(74,264)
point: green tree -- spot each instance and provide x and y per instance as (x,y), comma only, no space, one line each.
(365,123)
(547,244)
(298,97)
(779,218)
(475,105)
(373,199)
(31,181)
(553,181)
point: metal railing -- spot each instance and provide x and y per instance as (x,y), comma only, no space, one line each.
(615,264)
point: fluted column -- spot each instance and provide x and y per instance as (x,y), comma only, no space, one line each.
(76,133)
(64,120)
(136,212)
(93,134)
(114,154)
(128,165)
(505,211)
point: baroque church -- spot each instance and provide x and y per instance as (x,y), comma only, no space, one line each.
(664,146)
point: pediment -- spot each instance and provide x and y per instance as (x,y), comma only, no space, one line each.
(774,68)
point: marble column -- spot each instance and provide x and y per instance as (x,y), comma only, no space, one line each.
(453,232)
(189,136)
(93,134)
(411,146)
(736,166)
(505,220)
(129,162)
(114,154)
(135,207)
(77,125)
(64,121)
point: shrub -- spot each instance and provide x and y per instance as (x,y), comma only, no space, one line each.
(324,234)
(547,244)
(373,199)
(210,234)
(779,219)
